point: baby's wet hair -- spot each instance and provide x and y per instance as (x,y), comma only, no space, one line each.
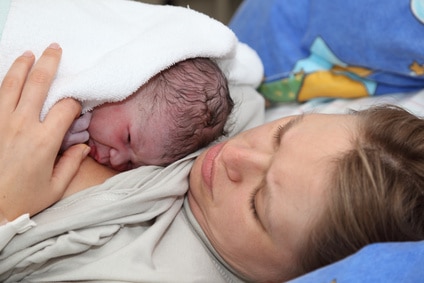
(197,103)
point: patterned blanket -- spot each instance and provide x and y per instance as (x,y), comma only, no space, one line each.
(335,49)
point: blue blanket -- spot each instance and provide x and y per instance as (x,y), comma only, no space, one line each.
(327,48)
(385,263)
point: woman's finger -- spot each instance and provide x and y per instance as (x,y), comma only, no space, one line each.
(39,80)
(60,117)
(13,82)
(66,168)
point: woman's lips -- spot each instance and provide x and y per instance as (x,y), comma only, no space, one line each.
(208,164)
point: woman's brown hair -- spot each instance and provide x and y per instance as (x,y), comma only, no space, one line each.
(376,190)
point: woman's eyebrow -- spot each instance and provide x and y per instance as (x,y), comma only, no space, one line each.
(289,125)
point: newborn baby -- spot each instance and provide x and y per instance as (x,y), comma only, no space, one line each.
(177,112)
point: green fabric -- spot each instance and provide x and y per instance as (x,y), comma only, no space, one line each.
(4,10)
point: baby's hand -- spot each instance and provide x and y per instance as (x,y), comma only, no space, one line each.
(78,132)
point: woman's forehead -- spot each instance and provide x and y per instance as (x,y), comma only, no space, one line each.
(300,174)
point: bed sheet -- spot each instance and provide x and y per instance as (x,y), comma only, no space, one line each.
(413,102)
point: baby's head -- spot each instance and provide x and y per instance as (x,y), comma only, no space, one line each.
(177,112)
(194,99)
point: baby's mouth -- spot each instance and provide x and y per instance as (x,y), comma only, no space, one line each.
(96,155)
(93,149)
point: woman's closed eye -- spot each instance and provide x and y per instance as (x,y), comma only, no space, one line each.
(252,202)
(278,133)
(282,129)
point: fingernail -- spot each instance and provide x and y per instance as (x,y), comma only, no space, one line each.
(27,54)
(86,151)
(54,45)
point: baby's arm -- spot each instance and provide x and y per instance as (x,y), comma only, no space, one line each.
(78,132)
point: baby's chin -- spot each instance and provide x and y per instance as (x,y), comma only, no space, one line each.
(122,167)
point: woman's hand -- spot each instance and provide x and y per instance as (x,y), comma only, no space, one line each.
(32,176)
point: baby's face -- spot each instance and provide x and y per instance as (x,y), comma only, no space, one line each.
(123,137)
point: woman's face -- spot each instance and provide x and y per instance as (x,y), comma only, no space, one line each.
(258,195)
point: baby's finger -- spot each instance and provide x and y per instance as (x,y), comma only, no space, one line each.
(80,137)
(13,82)
(75,138)
(39,80)
(81,123)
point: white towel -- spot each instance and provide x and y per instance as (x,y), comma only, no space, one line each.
(112,47)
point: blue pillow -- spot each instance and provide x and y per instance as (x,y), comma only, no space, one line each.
(382,262)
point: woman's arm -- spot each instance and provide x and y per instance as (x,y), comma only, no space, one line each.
(32,177)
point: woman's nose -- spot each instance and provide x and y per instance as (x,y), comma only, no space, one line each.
(243,161)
